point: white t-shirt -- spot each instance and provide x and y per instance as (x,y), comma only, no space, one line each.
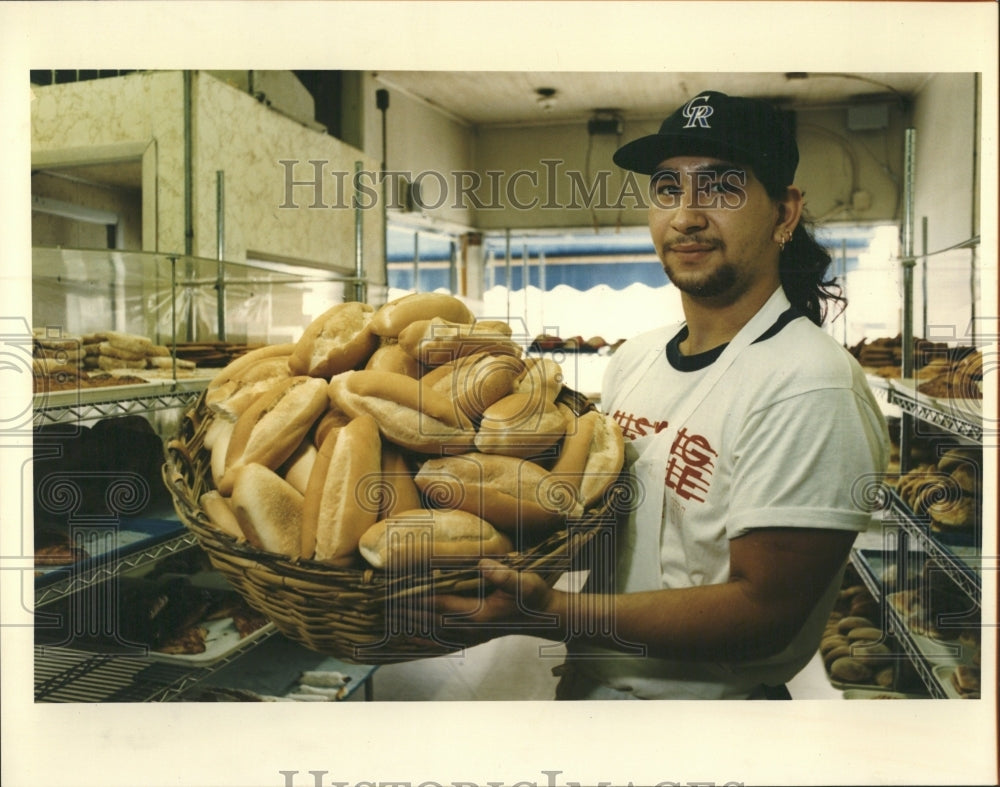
(790,436)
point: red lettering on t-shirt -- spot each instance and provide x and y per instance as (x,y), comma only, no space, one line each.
(634,426)
(689,469)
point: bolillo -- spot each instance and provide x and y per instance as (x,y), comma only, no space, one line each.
(420,538)
(592,454)
(514,495)
(338,340)
(393,317)
(342,495)
(407,413)
(520,424)
(270,430)
(268,510)
(437,341)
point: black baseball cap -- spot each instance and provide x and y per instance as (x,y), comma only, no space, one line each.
(742,130)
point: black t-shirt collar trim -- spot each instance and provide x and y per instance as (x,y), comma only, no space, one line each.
(694,363)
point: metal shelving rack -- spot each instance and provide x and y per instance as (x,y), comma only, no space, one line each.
(80,580)
(67,675)
(954,419)
(962,566)
(960,420)
(922,662)
(83,404)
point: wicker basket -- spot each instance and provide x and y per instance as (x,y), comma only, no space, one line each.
(354,614)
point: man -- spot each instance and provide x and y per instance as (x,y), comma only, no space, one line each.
(749,432)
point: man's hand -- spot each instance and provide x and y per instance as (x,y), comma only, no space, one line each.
(512,602)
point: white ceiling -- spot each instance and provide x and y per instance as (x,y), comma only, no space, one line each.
(509,97)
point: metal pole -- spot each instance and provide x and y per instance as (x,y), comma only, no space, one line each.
(923,273)
(525,272)
(453,268)
(188,111)
(541,287)
(382,103)
(973,292)
(507,267)
(416,261)
(359,257)
(220,254)
(906,421)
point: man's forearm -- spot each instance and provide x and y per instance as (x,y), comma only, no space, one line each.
(717,622)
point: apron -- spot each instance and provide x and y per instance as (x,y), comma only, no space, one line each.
(638,563)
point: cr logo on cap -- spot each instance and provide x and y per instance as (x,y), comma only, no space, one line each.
(697,115)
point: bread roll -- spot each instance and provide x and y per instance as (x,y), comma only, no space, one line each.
(520,425)
(966,680)
(885,677)
(959,513)
(592,454)
(965,478)
(865,634)
(221,514)
(231,397)
(852,622)
(829,643)
(215,430)
(333,418)
(437,341)
(393,358)
(132,343)
(342,496)
(514,495)
(273,426)
(114,351)
(298,467)
(422,537)
(236,369)
(958,457)
(870,652)
(850,670)
(542,377)
(220,449)
(398,491)
(268,509)
(475,382)
(408,414)
(396,315)
(337,340)
(838,652)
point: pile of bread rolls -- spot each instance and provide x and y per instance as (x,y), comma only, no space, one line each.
(66,361)
(854,647)
(946,491)
(393,436)
(960,379)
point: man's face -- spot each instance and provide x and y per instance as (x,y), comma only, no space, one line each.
(713,226)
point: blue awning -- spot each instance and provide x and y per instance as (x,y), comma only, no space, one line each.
(581,260)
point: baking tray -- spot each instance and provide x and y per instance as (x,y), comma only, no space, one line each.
(943,674)
(222,640)
(881,694)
